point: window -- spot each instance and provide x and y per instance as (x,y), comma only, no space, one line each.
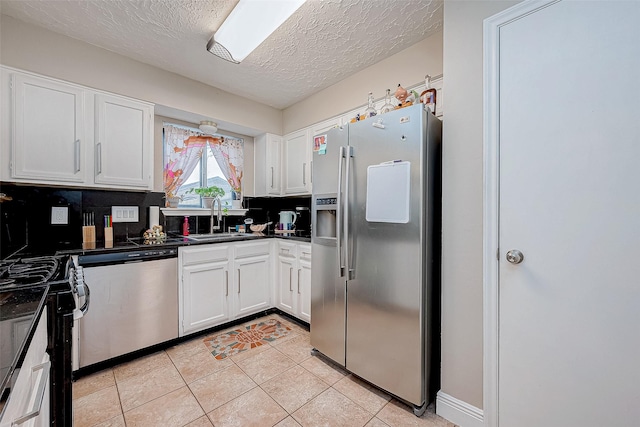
(194,160)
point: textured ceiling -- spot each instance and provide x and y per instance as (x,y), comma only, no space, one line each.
(321,44)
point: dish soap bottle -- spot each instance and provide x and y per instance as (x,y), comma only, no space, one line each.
(185,226)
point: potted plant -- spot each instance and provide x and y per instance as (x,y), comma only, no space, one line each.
(172,200)
(236,198)
(208,194)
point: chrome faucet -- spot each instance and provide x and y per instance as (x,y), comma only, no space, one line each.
(213,204)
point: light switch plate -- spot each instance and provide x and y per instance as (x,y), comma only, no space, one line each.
(124,213)
(59,215)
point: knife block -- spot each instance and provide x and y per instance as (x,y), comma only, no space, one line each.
(108,237)
(88,234)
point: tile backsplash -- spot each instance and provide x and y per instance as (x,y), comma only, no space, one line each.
(26,220)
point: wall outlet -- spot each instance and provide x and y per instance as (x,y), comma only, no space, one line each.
(124,213)
(60,215)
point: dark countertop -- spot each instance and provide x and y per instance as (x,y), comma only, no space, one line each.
(174,242)
(21,302)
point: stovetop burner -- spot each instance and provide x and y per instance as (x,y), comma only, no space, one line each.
(28,272)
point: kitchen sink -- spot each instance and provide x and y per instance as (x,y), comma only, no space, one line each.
(208,237)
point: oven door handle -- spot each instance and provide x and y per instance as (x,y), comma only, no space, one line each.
(83,291)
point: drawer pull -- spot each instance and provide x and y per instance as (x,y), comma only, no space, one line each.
(37,404)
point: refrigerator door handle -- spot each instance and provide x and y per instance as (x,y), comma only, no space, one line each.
(339,214)
(348,154)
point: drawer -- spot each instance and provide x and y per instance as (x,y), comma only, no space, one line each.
(287,249)
(204,253)
(244,250)
(304,252)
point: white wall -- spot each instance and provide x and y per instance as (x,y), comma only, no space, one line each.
(407,67)
(41,51)
(462,198)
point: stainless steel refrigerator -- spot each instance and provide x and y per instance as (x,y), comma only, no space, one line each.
(375,249)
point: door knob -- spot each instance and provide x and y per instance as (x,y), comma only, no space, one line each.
(514,256)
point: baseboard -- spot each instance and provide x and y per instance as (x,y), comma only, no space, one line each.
(458,412)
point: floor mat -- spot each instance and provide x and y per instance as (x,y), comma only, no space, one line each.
(246,337)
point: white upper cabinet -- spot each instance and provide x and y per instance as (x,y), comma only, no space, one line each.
(122,143)
(267,151)
(297,162)
(54,132)
(48,130)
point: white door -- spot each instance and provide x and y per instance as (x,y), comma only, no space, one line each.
(304,290)
(205,296)
(297,163)
(123,142)
(568,198)
(48,130)
(274,144)
(253,287)
(284,284)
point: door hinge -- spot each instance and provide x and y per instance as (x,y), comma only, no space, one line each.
(498,254)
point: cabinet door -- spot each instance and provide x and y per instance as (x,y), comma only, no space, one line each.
(273,170)
(124,148)
(252,280)
(297,170)
(304,291)
(205,296)
(48,130)
(304,283)
(286,284)
(32,383)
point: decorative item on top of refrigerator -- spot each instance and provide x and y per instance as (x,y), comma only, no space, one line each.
(388,105)
(428,97)
(370,111)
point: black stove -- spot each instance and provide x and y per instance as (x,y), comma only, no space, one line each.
(31,271)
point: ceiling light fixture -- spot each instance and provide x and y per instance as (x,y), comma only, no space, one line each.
(248,25)
(208,127)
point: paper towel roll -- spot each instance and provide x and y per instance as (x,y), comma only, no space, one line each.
(154,216)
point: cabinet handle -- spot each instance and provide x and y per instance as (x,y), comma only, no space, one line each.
(99,157)
(37,404)
(290,280)
(311,168)
(298,281)
(271,176)
(226,282)
(76,155)
(238,280)
(304,174)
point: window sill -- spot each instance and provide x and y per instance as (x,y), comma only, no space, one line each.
(200,212)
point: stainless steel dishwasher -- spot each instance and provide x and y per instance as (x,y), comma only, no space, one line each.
(134,302)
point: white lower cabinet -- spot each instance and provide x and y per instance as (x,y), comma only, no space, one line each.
(293,279)
(252,268)
(222,282)
(28,404)
(205,292)
(285,276)
(304,283)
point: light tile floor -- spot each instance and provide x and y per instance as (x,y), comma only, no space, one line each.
(279,384)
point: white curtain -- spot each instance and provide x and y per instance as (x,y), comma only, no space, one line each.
(183,151)
(229,154)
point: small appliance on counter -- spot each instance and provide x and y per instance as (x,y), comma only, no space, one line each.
(287,220)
